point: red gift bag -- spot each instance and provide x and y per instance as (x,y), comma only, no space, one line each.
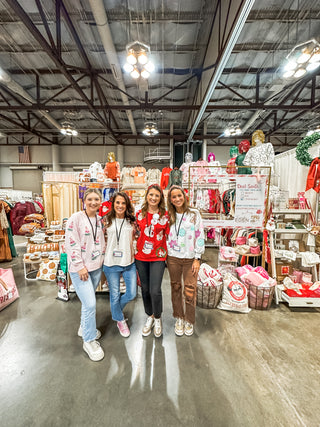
(8,288)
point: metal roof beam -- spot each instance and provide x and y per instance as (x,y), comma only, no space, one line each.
(58,61)
(25,127)
(86,60)
(78,70)
(163,107)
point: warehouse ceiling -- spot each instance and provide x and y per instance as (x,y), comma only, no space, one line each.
(216,62)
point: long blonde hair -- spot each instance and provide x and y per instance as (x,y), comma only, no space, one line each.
(92,190)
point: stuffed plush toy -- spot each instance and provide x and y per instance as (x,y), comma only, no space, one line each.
(315,230)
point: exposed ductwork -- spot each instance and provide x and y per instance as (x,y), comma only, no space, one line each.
(222,63)
(101,19)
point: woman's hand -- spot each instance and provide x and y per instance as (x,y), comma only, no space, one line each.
(195,267)
(83,274)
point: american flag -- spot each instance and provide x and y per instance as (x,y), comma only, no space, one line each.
(24,154)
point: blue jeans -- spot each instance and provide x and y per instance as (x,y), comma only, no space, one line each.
(86,291)
(117,300)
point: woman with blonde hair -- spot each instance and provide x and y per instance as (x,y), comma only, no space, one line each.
(185,247)
(85,246)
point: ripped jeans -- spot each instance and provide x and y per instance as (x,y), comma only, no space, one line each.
(184,296)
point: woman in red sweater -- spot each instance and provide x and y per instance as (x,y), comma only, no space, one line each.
(153,222)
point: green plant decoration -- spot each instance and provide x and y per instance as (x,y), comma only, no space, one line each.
(302,153)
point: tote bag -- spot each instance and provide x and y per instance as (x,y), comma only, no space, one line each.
(8,288)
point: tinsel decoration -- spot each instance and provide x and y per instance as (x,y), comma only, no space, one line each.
(302,153)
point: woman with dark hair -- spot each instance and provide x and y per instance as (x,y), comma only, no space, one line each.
(185,247)
(151,254)
(85,250)
(119,257)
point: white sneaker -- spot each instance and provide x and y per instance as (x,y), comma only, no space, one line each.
(179,327)
(146,331)
(93,350)
(80,333)
(188,329)
(157,331)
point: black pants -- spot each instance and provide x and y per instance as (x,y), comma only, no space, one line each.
(151,274)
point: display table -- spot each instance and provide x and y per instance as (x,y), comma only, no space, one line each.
(31,269)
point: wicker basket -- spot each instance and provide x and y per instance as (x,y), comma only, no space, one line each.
(208,296)
(260,298)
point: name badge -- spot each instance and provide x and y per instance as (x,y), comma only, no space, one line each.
(176,248)
(117,254)
(148,245)
(140,173)
(95,254)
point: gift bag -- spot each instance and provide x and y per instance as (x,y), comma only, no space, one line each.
(62,278)
(8,288)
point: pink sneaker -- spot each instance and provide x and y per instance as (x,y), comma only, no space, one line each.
(123,328)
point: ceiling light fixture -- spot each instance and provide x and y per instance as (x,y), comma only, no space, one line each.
(138,63)
(233,130)
(302,58)
(135,73)
(150,129)
(68,129)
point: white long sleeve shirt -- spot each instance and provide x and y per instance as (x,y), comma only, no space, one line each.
(186,236)
(123,247)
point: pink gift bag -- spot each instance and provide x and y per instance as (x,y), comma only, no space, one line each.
(8,288)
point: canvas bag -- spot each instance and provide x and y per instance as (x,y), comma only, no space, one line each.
(8,288)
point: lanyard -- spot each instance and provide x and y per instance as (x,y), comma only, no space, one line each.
(148,213)
(175,225)
(118,235)
(93,233)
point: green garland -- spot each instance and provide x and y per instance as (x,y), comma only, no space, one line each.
(302,153)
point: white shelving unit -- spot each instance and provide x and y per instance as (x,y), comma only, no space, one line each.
(283,234)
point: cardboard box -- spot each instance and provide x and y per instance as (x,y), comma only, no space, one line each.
(283,269)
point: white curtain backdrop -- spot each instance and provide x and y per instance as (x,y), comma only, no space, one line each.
(292,176)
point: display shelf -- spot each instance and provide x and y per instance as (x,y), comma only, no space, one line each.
(299,256)
(282,235)
(133,186)
(300,302)
(252,255)
(291,211)
(290,231)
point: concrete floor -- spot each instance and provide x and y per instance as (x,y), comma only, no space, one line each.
(256,369)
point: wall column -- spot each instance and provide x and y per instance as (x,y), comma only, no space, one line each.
(55,154)
(119,155)
(204,144)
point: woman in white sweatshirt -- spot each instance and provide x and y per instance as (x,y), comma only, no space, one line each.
(185,246)
(85,245)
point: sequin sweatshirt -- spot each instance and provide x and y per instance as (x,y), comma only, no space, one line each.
(152,242)
(186,236)
(82,249)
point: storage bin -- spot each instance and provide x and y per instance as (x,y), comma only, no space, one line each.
(259,297)
(209,296)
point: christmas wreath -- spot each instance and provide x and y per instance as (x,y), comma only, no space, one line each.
(302,153)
